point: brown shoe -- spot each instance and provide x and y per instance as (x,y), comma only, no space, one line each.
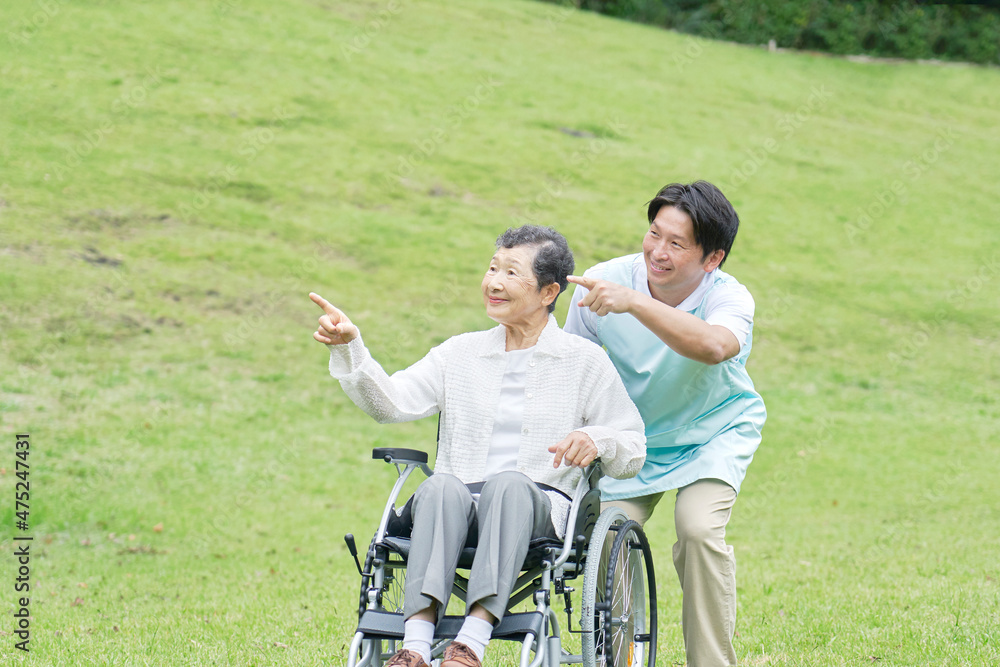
(405,658)
(459,655)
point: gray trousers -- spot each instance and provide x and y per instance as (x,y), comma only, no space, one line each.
(510,513)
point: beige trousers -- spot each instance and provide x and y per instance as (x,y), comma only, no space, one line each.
(705,566)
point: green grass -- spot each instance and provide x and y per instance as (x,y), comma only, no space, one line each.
(175,178)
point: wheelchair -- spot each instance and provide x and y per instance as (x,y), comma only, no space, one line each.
(617,601)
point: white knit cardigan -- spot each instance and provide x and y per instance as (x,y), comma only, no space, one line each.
(570,385)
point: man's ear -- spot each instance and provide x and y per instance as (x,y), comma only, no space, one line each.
(549,293)
(712,262)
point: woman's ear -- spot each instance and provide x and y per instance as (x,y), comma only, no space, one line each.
(549,293)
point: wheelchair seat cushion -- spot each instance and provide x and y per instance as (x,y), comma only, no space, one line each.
(538,549)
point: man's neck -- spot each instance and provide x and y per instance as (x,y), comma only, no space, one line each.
(672,298)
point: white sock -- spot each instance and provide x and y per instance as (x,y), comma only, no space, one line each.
(417,636)
(475,634)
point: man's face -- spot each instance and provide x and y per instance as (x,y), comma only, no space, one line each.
(674,263)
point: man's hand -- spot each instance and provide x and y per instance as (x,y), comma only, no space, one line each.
(605,297)
(334,327)
(576,450)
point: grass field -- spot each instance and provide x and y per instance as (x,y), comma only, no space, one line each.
(176,177)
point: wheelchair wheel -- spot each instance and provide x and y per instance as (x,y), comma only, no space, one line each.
(630,620)
(389,581)
(594,583)
(618,615)
(393,583)
(391,599)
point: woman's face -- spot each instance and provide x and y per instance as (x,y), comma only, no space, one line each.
(510,290)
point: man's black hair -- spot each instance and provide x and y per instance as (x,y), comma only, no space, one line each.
(714,218)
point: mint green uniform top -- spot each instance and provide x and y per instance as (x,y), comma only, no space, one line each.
(702,421)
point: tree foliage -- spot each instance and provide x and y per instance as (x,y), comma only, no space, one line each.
(952,31)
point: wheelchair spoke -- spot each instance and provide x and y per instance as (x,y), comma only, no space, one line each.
(392,590)
(626,627)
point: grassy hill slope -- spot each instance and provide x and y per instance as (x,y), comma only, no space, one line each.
(175,178)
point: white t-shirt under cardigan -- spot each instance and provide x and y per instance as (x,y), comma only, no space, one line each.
(510,413)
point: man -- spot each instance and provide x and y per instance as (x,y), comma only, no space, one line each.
(678,330)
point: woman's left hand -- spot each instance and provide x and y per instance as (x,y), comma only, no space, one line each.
(576,450)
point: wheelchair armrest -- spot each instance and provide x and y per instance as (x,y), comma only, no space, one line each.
(410,459)
(399,455)
(594,473)
(586,501)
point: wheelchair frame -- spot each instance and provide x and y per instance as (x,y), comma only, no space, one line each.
(618,598)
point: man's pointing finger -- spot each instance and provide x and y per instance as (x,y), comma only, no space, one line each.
(583,281)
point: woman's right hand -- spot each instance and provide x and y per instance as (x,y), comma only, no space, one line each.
(334,326)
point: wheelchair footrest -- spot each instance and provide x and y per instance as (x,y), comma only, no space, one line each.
(386,625)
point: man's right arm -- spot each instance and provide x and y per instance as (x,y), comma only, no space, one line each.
(684,333)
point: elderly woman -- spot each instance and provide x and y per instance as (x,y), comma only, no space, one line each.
(524,406)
